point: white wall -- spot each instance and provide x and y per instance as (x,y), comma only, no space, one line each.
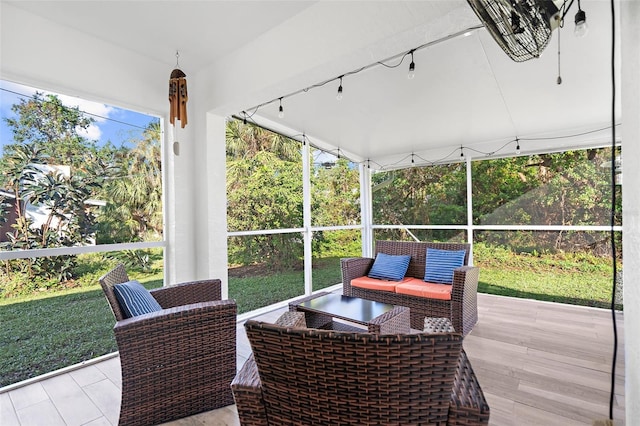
(630,33)
(45,55)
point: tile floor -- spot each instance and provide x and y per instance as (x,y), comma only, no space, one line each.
(538,364)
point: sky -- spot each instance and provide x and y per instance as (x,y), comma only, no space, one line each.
(111,123)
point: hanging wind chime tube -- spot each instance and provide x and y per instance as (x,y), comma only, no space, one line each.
(178,95)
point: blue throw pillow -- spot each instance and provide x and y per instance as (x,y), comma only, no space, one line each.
(389,267)
(441,263)
(134,299)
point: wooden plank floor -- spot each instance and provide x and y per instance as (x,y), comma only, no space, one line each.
(538,364)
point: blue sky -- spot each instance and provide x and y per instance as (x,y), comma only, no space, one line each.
(111,123)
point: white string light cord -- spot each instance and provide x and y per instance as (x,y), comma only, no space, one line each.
(414,159)
(247,114)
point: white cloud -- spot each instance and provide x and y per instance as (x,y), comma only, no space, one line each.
(92,132)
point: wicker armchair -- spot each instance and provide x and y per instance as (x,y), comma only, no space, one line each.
(317,377)
(178,361)
(462,309)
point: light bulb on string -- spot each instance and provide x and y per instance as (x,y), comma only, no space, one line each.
(281,110)
(412,68)
(461,154)
(339,95)
(517,146)
(581,28)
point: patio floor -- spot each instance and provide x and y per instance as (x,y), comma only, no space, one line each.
(538,364)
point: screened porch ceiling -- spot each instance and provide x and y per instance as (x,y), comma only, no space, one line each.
(466,93)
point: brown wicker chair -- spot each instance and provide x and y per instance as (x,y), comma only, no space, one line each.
(462,309)
(178,361)
(317,377)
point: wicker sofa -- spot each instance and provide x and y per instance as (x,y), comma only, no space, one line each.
(461,309)
(317,377)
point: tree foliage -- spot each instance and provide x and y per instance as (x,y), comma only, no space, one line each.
(264,191)
(51,167)
(134,191)
(53,171)
(433,195)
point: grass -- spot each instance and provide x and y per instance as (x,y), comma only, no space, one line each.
(47,331)
(258,287)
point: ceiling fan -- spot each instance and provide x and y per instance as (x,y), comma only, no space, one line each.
(522,28)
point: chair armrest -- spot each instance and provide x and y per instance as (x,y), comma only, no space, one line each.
(247,392)
(468,404)
(200,324)
(188,293)
(353,267)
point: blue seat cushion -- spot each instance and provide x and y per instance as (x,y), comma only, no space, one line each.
(134,299)
(441,263)
(389,267)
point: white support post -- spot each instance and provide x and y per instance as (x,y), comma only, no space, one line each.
(469,210)
(629,14)
(366,211)
(306,212)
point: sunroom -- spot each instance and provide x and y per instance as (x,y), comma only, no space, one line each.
(249,60)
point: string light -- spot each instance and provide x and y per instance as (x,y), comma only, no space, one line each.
(281,110)
(461,33)
(412,68)
(447,159)
(581,22)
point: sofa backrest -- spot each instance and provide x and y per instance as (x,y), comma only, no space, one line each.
(418,252)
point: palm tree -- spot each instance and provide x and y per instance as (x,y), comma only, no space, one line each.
(135,192)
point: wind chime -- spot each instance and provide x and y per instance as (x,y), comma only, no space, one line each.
(178,95)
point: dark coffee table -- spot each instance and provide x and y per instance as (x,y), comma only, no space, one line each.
(320,309)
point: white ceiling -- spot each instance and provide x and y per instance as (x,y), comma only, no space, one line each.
(466,93)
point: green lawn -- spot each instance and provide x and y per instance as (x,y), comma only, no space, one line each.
(46,332)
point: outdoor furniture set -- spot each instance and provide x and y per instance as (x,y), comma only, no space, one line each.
(453,296)
(333,359)
(298,375)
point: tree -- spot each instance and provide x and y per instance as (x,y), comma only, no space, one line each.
(134,192)
(264,191)
(47,142)
(54,128)
(431,195)
(335,200)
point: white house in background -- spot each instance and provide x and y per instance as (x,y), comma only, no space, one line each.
(38,214)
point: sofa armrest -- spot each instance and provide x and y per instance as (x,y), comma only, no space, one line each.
(353,267)
(188,293)
(464,298)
